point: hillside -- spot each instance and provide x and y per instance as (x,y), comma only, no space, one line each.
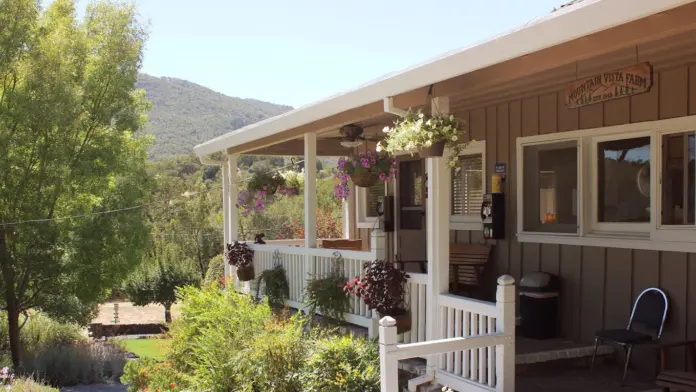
(185,114)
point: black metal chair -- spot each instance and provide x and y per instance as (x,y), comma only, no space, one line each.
(649,310)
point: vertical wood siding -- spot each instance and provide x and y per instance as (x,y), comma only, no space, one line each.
(599,284)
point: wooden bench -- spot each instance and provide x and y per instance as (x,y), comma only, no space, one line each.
(677,380)
(467,264)
(342,244)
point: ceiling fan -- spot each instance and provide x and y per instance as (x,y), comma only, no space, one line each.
(352,136)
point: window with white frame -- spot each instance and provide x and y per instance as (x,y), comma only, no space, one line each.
(367,200)
(468,187)
(629,186)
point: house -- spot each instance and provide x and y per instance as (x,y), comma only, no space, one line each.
(589,112)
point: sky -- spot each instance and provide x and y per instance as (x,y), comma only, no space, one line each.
(297,52)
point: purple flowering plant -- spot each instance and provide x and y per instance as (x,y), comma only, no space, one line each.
(378,163)
(248,201)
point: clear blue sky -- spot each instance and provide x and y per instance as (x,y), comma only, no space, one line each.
(297,52)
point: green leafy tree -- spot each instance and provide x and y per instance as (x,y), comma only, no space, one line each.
(68,113)
(156,280)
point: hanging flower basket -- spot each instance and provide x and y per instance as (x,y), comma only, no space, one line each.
(364,179)
(435,150)
(245,274)
(427,135)
(364,169)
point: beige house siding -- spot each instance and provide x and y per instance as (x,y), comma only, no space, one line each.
(599,284)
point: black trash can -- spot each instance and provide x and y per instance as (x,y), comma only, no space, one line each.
(539,305)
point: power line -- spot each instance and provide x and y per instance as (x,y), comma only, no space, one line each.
(89,214)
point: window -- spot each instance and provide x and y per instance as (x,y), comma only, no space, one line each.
(677,196)
(629,186)
(622,183)
(373,194)
(411,194)
(550,178)
(366,201)
(468,187)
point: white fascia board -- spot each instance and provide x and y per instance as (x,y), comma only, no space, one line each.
(564,25)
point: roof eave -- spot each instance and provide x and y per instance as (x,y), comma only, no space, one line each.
(564,25)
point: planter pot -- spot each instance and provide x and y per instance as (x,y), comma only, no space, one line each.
(245,274)
(403,321)
(436,150)
(364,180)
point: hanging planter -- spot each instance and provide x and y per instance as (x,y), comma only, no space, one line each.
(364,179)
(364,169)
(269,182)
(383,289)
(426,135)
(435,150)
(241,256)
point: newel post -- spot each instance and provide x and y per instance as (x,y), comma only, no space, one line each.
(378,247)
(505,354)
(388,366)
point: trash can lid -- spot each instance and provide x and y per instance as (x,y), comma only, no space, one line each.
(539,282)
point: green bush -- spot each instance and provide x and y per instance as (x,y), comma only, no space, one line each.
(340,364)
(275,286)
(75,363)
(40,331)
(216,270)
(29,385)
(135,374)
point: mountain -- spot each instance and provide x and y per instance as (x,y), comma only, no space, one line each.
(185,114)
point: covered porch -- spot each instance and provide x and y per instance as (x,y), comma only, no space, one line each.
(511,93)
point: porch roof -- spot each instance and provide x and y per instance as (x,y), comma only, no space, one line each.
(570,22)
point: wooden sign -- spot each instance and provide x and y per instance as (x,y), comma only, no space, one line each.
(624,82)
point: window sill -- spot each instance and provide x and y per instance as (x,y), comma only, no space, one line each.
(610,240)
(457,223)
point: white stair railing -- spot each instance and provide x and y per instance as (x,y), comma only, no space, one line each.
(477,346)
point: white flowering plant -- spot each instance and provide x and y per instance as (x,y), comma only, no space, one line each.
(416,130)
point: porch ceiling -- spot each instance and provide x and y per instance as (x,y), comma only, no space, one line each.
(572,34)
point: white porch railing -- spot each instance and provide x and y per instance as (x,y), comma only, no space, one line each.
(416,290)
(302,264)
(476,351)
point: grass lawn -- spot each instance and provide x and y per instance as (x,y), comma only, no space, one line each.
(153,348)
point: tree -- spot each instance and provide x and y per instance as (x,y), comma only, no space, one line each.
(157,278)
(68,114)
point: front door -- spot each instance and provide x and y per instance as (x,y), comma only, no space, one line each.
(410,207)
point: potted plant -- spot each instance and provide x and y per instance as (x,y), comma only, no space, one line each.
(275,286)
(383,288)
(264,181)
(364,169)
(248,201)
(426,135)
(325,293)
(293,183)
(241,256)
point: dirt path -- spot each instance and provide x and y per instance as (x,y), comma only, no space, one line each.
(130,314)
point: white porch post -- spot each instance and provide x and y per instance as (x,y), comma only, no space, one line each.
(310,202)
(505,354)
(310,191)
(349,215)
(437,227)
(229,203)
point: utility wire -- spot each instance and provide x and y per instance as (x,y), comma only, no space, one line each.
(185,195)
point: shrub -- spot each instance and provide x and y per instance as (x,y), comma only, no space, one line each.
(340,364)
(76,363)
(216,270)
(146,374)
(40,331)
(135,374)
(29,385)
